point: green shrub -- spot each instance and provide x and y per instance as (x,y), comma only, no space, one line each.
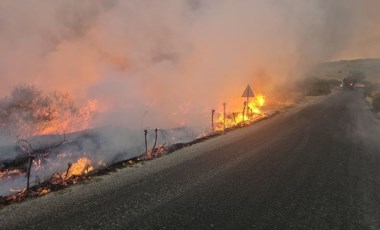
(376,101)
(318,87)
(370,89)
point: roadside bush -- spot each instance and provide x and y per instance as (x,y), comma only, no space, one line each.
(370,89)
(27,111)
(334,82)
(318,87)
(376,101)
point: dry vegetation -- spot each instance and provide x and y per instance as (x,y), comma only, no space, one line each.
(341,69)
(372,94)
(366,71)
(27,111)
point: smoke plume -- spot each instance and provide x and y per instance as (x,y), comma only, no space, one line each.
(166,64)
(174,60)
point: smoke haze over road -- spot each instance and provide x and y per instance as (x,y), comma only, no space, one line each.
(175,59)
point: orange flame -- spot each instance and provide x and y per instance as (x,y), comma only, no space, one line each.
(235,118)
(82,166)
(257,103)
(8,174)
(73,123)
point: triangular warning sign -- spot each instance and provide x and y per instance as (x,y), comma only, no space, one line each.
(248,92)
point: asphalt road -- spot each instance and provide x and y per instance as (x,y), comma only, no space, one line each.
(316,166)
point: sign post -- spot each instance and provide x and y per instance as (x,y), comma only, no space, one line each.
(247,93)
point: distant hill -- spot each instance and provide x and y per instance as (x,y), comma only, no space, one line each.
(340,69)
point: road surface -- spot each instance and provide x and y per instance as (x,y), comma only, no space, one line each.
(316,166)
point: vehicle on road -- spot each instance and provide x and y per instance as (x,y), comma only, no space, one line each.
(359,85)
(349,83)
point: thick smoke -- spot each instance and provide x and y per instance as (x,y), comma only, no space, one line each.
(167,63)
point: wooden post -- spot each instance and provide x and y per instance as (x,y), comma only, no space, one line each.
(247,103)
(244,107)
(212,120)
(224,116)
(31,159)
(68,169)
(146,142)
(234,115)
(155,139)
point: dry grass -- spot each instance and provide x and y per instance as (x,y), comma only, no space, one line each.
(376,101)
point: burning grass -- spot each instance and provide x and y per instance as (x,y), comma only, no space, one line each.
(77,171)
(250,113)
(84,168)
(9,173)
(81,170)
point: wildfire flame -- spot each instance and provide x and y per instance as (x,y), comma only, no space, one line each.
(80,169)
(251,113)
(8,174)
(73,123)
(82,166)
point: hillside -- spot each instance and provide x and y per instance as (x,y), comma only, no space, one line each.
(340,69)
